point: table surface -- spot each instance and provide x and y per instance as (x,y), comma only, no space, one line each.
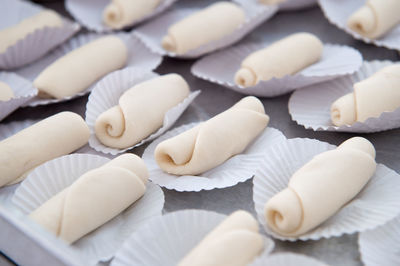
(214,99)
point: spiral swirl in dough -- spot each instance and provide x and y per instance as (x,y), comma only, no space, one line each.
(321,187)
(121,13)
(95,198)
(376,18)
(213,142)
(210,24)
(140,111)
(371,97)
(234,242)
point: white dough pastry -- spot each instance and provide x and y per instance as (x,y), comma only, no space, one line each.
(95,198)
(284,57)
(371,97)
(50,138)
(124,125)
(210,24)
(121,13)
(375,18)
(77,70)
(6,93)
(11,35)
(321,187)
(234,242)
(211,143)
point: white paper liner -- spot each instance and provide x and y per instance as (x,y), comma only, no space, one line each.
(23,92)
(167,239)
(221,67)
(237,169)
(90,13)
(139,57)
(338,12)
(152,33)
(296,4)
(9,129)
(381,246)
(106,94)
(377,203)
(6,194)
(286,259)
(35,44)
(310,106)
(101,244)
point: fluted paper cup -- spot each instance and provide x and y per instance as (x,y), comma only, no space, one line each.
(22,89)
(221,67)
(106,94)
(167,239)
(153,32)
(310,107)
(381,246)
(237,169)
(90,13)
(286,259)
(101,244)
(377,203)
(139,56)
(338,12)
(35,44)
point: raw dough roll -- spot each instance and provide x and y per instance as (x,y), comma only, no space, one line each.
(77,70)
(234,242)
(124,125)
(10,36)
(375,18)
(52,137)
(371,97)
(284,57)
(95,198)
(213,142)
(121,13)
(6,93)
(213,23)
(321,187)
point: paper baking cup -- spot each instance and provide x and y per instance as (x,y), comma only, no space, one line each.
(237,169)
(296,4)
(381,246)
(35,44)
(377,203)
(90,13)
(139,57)
(153,32)
(6,194)
(106,94)
(221,67)
(338,12)
(311,106)
(286,259)
(167,239)
(100,245)
(23,92)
